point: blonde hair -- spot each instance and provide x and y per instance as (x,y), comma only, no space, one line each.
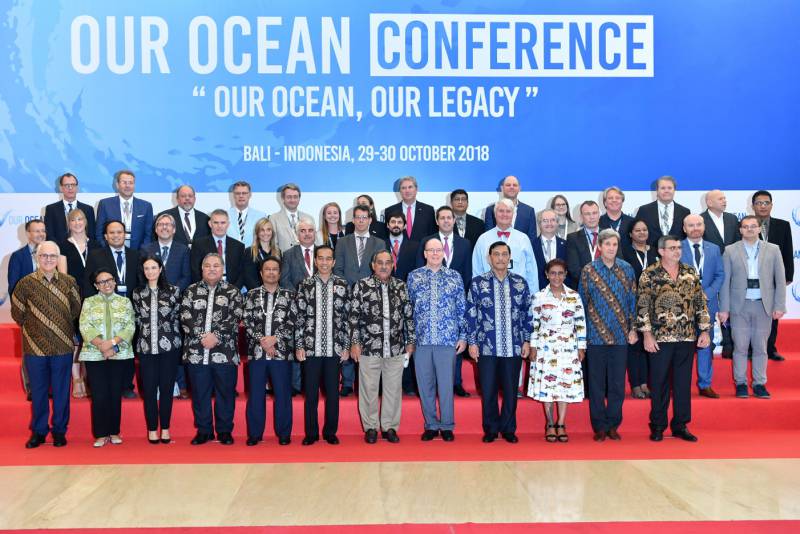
(323,224)
(256,246)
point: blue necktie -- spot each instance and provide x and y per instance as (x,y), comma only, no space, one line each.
(164,254)
(120,263)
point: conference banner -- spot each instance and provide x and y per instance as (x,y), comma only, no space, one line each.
(347,97)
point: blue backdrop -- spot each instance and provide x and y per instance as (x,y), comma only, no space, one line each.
(720,110)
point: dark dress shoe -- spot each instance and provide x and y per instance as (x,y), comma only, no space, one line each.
(59,440)
(775,357)
(346,391)
(656,435)
(407,393)
(371,436)
(295,392)
(447,435)
(332,440)
(684,434)
(309,440)
(489,437)
(460,391)
(153,441)
(390,436)
(166,441)
(225,438)
(728,355)
(708,392)
(613,434)
(35,441)
(128,394)
(201,438)
(251,441)
(183,394)
(599,436)
(510,437)
(429,435)
(284,440)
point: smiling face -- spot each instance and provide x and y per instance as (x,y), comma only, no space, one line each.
(510,187)
(219,224)
(639,233)
(270,273)
(126,184)
(291,199)
(105,283)
(694,227)
(434,253)
(69,188)
(36,232)
(665,190)
(408,191)
(47,257)
(165,229)
(445,220)
(305,233)
(323,259)
(762,206)
(613,201)
(382,265)
(332,215)
(459,203)
(265,234)
(212,270)
(608,249)
(115,235)
(186,198)
(503,215)
(77,224)
(241,196)
(151,270)
(556,276)
(671,253)
(396,226)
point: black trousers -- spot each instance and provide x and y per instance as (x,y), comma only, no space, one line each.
(671,370)
(279,373)
(606,365)
(638,364)
(105,381)
(323,370)
(158,372)
(129,376)
(498,373)
(221,377)
(773,338)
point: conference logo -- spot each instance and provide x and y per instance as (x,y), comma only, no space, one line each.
(4,217)
(796,291)
(796,215)
(16,219)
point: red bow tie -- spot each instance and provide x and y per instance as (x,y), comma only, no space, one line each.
(503,234)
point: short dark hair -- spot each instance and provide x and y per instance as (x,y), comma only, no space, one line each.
(378,253)
(445,208)
(662,241)
(98,272)
(553,263)
(747,217)
(322,247)
(30,222)
(761,193)
(458,192)
(363,208)
(587,203)
(270,258)
(112,221)
(66,175)
(396,215)
(118,174)
(636,221)
(241,183)
(499,244)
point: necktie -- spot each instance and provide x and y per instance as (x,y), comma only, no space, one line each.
(308,260)
(697,259)
(127,214)
(594,246)
(187,224)
(446,250)
(69,206)
(360,250)
(292,223)
(763,233)
(120,264)
(548,249)
(164,254)
(503,234)
(665,221)
(219,247)
(241,226)
(395,252)
(33,259)
(409,222)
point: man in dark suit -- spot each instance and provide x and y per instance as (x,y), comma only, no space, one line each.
(189,222)
(22,262)
(376,227)
(663,216)
(404,250)
(614,218)
(353,262)
(778,232)
(136,214)
(174,254)
(467,226)
(722,229)
(524,215)
(298,261)
(420,219)
(55,214)
(582,244)
(457,253)
(548,246)
(224,245)
(123,263)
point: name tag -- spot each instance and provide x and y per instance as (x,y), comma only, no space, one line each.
(122,290)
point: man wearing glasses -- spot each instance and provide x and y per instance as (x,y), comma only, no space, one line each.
(46,305)
(55,214)
(778,232)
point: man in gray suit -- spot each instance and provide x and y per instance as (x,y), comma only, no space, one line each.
(752,295)
(353,254)
(285,221)
(298,261)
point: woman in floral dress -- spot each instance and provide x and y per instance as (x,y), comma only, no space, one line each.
(558,346)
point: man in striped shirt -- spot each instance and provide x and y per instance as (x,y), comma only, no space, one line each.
(45,304)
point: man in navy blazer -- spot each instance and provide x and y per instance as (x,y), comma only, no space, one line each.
(174,254)
(582,245)
(706,259)
(21,262)
(404,250)
(524,215)
(548,246)
(722,228)
(457,256)
(232,250)
(663,213)
(422,221)
(467,226)
(136,214)
(189,222)
(55,214)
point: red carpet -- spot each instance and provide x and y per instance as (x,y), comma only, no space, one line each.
(686,527)
(727,428)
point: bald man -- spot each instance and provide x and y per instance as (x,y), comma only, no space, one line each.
(722,228)
(524,218)
(706,259)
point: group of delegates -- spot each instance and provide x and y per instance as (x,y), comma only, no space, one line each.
(396,303)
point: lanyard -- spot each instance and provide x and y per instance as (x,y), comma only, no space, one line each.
(641,258)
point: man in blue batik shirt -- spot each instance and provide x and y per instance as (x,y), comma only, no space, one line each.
(499,327)
(437,294)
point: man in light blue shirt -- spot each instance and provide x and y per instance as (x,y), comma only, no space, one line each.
(523,262)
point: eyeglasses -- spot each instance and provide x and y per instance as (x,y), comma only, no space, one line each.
(69,186)
(165,225)
(106,282)
(750,227)
(762,203)
(673,248)
(434,250)
(361,217)
(48,257)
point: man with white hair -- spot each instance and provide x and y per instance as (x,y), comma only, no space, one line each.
(524,216)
